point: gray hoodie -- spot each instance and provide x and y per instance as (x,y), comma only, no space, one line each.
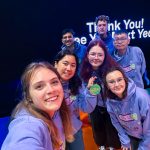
(133,63)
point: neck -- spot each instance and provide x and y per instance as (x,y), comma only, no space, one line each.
(121,52)
(71,47)
(103,36)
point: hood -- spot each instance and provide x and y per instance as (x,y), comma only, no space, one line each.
(117,57)
(131,90)
(108,38)
(76,46)
(65,84)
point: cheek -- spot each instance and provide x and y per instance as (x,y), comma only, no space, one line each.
(59,89)
(102,59)
(90,59)
(74,71)
(36,96)
(60,68)
(109,88)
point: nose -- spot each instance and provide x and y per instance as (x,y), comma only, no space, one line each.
(68,38)
(116,83)
(49,88)
(120,41)
(96,56)
(68,67)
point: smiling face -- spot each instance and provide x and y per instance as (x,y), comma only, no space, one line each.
(116,83)
(96,56)
(46,91)
(66,67)
(68,39)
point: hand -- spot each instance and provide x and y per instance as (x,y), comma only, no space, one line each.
(125,148)
(91,82)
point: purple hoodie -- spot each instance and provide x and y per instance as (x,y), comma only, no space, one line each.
(83,101)
(131,116)
(27,132)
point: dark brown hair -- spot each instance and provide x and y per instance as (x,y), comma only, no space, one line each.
(107,92)
(102,18)
(86,68)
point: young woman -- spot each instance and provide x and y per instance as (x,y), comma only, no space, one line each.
(77,97)
(129,109)
(41,121)
(96,61)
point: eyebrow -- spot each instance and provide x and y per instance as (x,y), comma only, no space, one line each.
(68,62)
(116,78)
(54,78)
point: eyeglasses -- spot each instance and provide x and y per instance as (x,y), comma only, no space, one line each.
(113,82)
(95,54)
(120,40)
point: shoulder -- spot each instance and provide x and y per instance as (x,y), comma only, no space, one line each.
(27,132)
(28,124)
(142,95)
(79,46)
(135,49)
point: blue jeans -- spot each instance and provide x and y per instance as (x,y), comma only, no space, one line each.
(78,143)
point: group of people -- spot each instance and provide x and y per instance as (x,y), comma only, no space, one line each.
(104,79)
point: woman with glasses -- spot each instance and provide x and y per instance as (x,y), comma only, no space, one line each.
(96,61)
(77,96)
(129,109)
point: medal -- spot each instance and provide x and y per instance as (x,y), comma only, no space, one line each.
(132,66)
(95,89)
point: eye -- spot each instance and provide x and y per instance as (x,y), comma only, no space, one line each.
(92,54)
(55,82)
(73,65)
(111,81)
(65,63)
(120,79)
(100,55)
(64,37)
(39,86)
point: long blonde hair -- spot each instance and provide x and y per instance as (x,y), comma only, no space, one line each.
(27,103)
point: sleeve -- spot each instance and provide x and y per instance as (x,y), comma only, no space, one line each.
(86,102)
(143,62)
(145,114)
(124,138)
(26,135)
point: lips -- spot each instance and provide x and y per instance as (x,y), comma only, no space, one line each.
(67,73)
(96,61)
(52,98)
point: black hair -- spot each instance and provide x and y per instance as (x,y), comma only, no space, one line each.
(122,31)
(75,81)
(68,30)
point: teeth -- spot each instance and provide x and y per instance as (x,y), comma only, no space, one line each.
(52,99)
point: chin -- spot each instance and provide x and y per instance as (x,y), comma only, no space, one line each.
(55,108)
